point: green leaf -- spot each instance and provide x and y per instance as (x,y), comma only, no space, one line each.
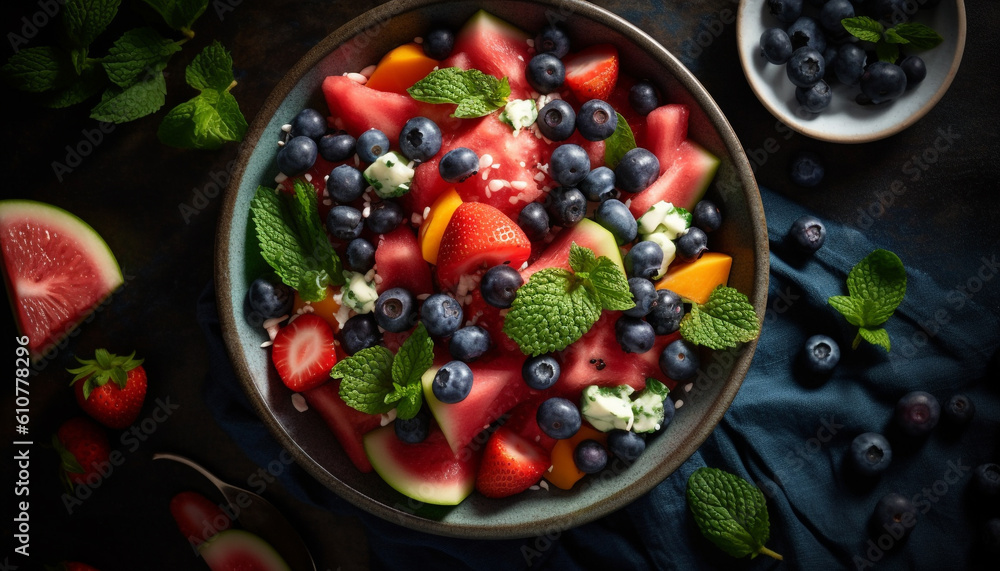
(414,357)
(211,69)
(581,260)
(887,52)
(204,122)
(121,105)
(619,143)
(475,93)
(407,399)
(864,28)
(366,379)
(39,69)
(84,20)
(848,307)
(877,285)
(730,512)
(893,37)
(91,82)
(918,36)
(312,285)
(550,311)
(179,14)
(878,337)
(316,247)
(725,320)
(611,285)
(137,54)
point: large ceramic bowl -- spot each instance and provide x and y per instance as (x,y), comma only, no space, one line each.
(362,42)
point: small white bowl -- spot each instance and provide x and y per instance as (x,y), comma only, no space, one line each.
(845,121)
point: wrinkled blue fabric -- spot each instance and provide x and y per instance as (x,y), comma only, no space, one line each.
(784,432)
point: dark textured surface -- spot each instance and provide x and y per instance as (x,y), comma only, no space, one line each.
(131,189)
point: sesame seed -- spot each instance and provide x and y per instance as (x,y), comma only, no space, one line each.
(688,387)
(519,185)
(427,212)
(287,127)
(678,404)
(485,161)
(495,185)
(299,402)
(368,71)
(357,78)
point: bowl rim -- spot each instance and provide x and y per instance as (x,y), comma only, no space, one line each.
(781,112)
(505,530)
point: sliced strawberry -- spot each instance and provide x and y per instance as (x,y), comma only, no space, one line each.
(510,465)
(592,72)
(479,236)
(303,352)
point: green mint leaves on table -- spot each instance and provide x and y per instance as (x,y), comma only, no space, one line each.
(730,512)
(619,143)
(876,285)
(725,320)
(292,240)
(374,381)
(476,93)
(887,41)
(557,306)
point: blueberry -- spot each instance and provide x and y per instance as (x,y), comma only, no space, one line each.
(806,32)
(420,139)
(626,445)
(883,82)
(815,98)
(644,260)
(807,169)
(634,335)
(540,372)
(396,310)
(786,11)
(297,156)
(870,454)
(308,123)
(566,206)
(336,147)
(371,145)
(666,314)
(359,332)
(534,220)
(776,46)
(558,418)
(616,218)
(917,413)
(986,482)
(692,244)
(706,215)
(894,514)
(833,12)
(807,233)
(959,410)
(556,120)
(914,69)
(385,216)
(499,285)
(599,184)
(452,382)
(469,343)
(637,170)
(458,164)
(438,43)
(552,40)
(679,360)
(643,294)
(413,430)
(569,164)
(643,97)
(344,222)
(830,62)
(546,73)
(441,314)
(850,64)
(345,184)
(806,67)
(360,255)
(821,354)
(590,456)
(268,297)
(596,120)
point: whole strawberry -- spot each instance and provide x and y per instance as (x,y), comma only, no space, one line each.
(83,449)
(110,388)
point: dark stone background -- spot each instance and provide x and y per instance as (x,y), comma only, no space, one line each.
(130,188)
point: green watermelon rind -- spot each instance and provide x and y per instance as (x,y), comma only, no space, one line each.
(241,543)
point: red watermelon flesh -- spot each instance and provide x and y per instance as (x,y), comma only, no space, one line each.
(491,319)
(667,130)
(683,184)
(348,425)
(495,47)
(523,422)
(586,233)
(399,263)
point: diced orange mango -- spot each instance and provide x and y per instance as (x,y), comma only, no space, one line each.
(432,228)
(564,472)
(326,308)
(694,281)
(401,68)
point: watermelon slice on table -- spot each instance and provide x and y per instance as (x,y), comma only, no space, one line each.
(57,269)
(347,424)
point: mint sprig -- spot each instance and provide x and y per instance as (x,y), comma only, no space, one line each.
(557,306)
(619,143)
(475,93)
(730,512)
(887,40)
(876,286)
(725,320)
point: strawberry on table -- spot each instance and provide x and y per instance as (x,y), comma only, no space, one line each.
(479,236)
(592,73)
(303,352)
(110,388)
(83,447)
(510,465)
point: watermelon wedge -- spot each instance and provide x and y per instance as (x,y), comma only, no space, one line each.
(237,549)
(399,262)
(495,47)
(683,184)
(347,424)
(585,233)
(57,269)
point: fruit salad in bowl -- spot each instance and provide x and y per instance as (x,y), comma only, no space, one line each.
(491,268)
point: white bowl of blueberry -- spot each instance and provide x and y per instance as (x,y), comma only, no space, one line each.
(850,71)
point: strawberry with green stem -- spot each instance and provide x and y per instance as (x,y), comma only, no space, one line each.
(110,388)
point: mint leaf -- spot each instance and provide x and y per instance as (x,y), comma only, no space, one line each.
(137,54)
(312,236)
(877,285)
(39,69)
(475,93)
(366,380)
(878,337)
(887,52)
(611,285)
(121,105)
(619,143)
(917,35)
(407,399)
(179,14)
(730,512)
(892,37)
(550,311)
(414,357)
(581,259)
(212,69)
(848,307)
(864,28)
(725,320)
(84,20)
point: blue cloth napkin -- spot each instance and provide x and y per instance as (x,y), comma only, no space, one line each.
(785,432)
